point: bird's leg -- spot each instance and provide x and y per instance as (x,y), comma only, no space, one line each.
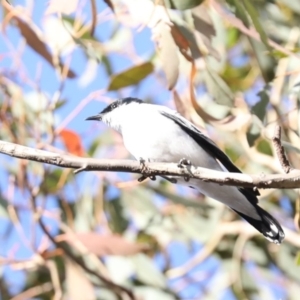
(184,162)
(144,169)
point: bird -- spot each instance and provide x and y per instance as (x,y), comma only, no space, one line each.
(156,133)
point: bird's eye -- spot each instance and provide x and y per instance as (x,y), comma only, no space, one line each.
(114,105)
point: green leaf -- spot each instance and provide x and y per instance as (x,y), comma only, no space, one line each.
(298,259)
(240,11)
(49,186)
(263,146)
(254,17)
(286,261)
(60,103)
(3,207)
(147,272)
(257,253)
(218,88)
(254,131)
(130,76)
(182,4)
(259,109)
(117,220)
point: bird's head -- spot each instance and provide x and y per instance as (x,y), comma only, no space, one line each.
(115,113)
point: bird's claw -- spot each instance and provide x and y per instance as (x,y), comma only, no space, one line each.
(144,177)
(186,178)
(184,162)
(144,170)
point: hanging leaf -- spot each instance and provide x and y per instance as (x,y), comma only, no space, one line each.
(167,50)
(254,131)
(259,109)
(118,222)
(185,41)
(206,30)
(254,17)
(218,88)
(38,45)
(130,76)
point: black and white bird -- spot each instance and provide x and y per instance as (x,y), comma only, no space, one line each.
(156,133)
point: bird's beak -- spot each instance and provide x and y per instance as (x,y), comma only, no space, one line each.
(94,118)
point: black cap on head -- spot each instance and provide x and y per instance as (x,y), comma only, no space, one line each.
(112,106)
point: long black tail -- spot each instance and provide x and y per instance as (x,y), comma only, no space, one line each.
(268,226)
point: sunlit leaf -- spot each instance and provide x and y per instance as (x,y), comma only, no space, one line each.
(167,53)
(205,27)
(130,76)
(78,284)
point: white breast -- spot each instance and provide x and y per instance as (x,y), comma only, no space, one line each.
(151,136)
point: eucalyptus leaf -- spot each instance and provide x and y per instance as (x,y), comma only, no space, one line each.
(152,276)
(254,131)
(218,88)
(182,4)
(259,109)
(130,76)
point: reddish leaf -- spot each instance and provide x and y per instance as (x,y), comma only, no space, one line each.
(72,142)
(181,42)
(105,244)
(36,43)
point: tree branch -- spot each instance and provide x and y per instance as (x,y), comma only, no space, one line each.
(279,181)
(280,150)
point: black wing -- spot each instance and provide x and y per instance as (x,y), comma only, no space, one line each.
(209,146)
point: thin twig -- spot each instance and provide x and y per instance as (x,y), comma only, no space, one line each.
(280,150)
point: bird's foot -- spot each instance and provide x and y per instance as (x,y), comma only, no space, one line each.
(184,162)
(144,177)
(144,170)
(186,178)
